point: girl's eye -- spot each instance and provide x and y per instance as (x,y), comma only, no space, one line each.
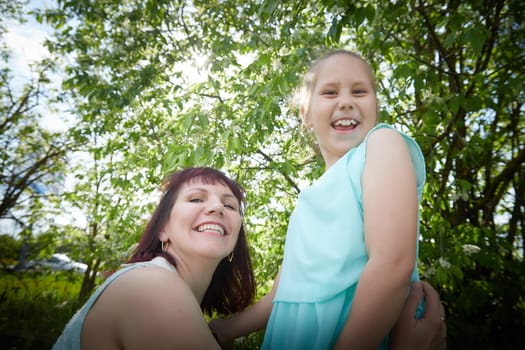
(329,92)
(359,92)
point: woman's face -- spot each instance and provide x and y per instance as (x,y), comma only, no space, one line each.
(205,221)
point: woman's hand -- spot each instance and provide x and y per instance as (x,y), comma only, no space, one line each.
(427,333)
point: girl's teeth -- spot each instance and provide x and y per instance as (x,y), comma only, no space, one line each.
(345,122)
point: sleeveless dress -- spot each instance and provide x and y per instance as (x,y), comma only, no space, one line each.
(325,254)
(70,337)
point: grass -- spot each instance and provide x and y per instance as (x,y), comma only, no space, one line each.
(35,306)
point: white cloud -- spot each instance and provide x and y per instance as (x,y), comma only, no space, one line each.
(26,43)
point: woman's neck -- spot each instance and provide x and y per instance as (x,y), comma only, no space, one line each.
(197,275)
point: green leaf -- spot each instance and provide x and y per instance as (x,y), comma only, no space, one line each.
(476,37)
(334,32)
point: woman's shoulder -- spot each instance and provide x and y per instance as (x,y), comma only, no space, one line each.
(148,283)
(146,291)
(150,277)
(151,300)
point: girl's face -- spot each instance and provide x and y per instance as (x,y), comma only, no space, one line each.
(342,106)
(205,221)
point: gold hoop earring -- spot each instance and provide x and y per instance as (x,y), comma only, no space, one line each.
(230,257)
(164,248)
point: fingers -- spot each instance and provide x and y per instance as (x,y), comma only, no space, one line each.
(435,313)
(433,304)
(412,302)
(439,341)
(442,344)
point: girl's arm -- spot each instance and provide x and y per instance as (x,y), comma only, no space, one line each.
(252,319)
(390,207)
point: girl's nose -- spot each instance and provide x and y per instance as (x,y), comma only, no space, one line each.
(346,101)
(348,106)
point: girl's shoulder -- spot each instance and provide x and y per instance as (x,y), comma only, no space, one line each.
(386,137)
(382,129)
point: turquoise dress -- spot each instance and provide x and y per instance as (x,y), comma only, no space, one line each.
(324,255)
(70,337)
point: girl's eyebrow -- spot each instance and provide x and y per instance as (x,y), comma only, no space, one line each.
(328,83)
(338,83)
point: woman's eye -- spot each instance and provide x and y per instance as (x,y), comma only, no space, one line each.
(231,206)
(195,200)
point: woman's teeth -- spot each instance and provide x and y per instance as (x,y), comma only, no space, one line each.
(210,227)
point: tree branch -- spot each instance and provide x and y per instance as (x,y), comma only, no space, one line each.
(288,179)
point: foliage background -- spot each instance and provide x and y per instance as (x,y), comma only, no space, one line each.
(450,74)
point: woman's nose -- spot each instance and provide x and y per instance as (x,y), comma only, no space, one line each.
(216,208)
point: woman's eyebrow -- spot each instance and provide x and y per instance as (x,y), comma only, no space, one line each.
(195,189)
(229,195)
(200,189)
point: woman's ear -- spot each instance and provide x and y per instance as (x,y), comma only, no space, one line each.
(163,236)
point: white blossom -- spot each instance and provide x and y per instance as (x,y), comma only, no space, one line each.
(337,10)
(444,263)
(429,272)
(470,249)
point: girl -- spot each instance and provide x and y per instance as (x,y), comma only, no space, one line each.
(351,245)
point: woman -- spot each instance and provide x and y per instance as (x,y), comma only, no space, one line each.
(192,258)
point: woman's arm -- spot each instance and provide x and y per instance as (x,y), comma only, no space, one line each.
(390,208)
(252,319)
